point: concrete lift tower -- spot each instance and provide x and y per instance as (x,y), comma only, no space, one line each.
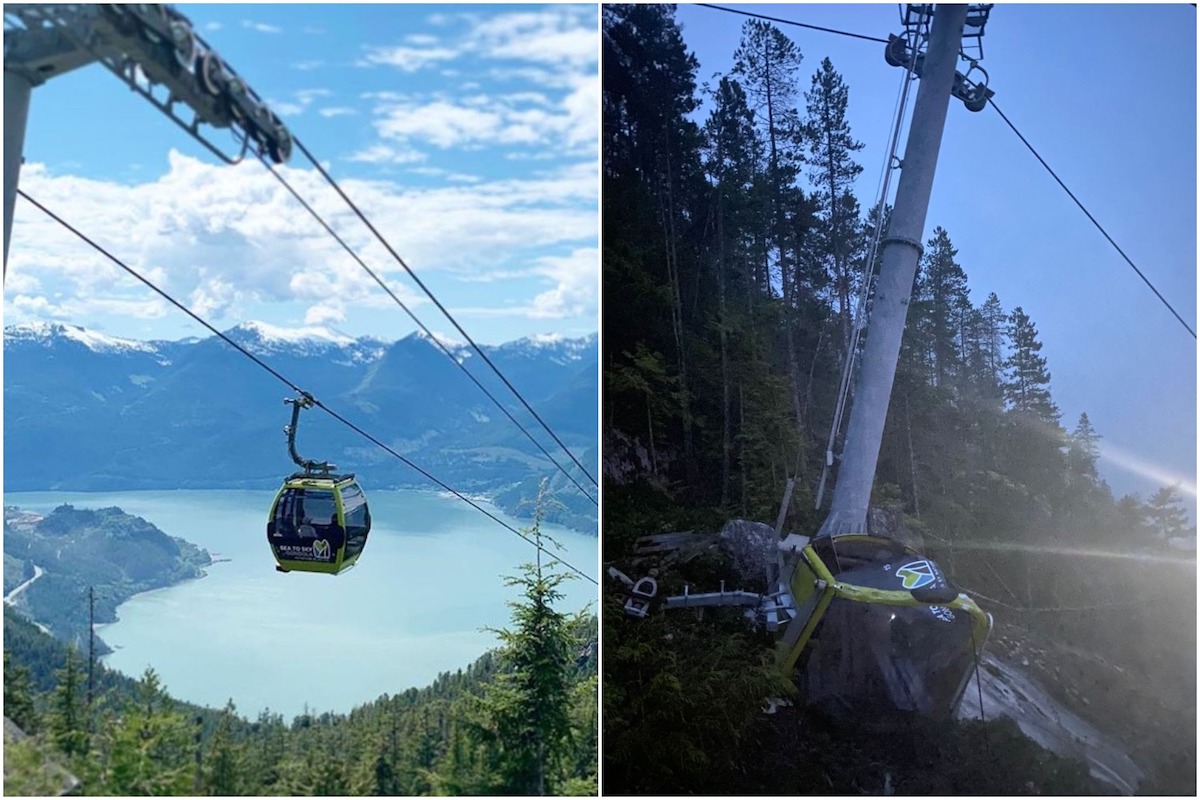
(153,49)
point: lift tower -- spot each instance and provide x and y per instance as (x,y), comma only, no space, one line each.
(901,250)
(153,49)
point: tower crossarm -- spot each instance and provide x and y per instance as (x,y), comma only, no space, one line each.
(157,52)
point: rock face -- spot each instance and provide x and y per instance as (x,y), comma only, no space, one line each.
(749,547)
(888,522)
(45,776)
(628,460)
(1004,690)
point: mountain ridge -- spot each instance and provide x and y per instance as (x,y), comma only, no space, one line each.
(86,411)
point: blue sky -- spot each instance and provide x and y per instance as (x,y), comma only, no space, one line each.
(468,134)
(1107,94)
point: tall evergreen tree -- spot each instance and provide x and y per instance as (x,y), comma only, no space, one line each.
(1028,386)
(1084,449)
(151,745)
(66,723)
(994,335)
(653,181)
(733,162)
(223,762)
(833,170)
(1166,515)
(18,696)
(768,62)
(942,289)
(528,706)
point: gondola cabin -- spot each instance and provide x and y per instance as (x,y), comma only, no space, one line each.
(318,523)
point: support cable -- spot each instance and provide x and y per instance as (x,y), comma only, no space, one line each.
(979,688)
(358,212)
(1099,227)
(100,249)
(792,22)
(316,215)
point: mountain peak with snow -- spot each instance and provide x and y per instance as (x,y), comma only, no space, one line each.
(267,333)
(448,341)
(47,333)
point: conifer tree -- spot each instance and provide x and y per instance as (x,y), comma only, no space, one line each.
(1166,515)
(831,149)
(1084,449)
(66,722)
(528,707)
(942,289)
(1028,386)
(18,696)
(151,745)
(994,333)
(223,763)
(767,62)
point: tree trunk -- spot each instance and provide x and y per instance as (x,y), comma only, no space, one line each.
(677,318)
(726,411)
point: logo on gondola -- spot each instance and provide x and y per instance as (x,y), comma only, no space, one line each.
(942,613)
(320,549)
(917,574)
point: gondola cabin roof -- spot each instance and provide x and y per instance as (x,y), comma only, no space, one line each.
(305,480)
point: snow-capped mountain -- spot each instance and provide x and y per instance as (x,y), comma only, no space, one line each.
(46,334)
(89,411)
(263,339)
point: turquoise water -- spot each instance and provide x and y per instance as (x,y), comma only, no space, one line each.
(416,604)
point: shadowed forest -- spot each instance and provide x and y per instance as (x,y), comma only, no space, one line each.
(735,251)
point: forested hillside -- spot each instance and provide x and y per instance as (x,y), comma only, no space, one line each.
(520,720)
(59,557)
(734,253)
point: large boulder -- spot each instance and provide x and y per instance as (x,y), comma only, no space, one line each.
(750,548)
(888,522)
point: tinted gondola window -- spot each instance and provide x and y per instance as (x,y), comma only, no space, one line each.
(319,508)
(354,506)
(286,519)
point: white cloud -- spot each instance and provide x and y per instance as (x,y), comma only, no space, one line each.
(22,283)
(576,277)
(569,126)
(261,27)
(383,154)
(212,27)
(306,96)
(325,312)
(407,59)
(556,35)
(441,122)
(75,309)
(224,238)
(303,99)
(309,65)
(491,276)
(285,109)
(336,111)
